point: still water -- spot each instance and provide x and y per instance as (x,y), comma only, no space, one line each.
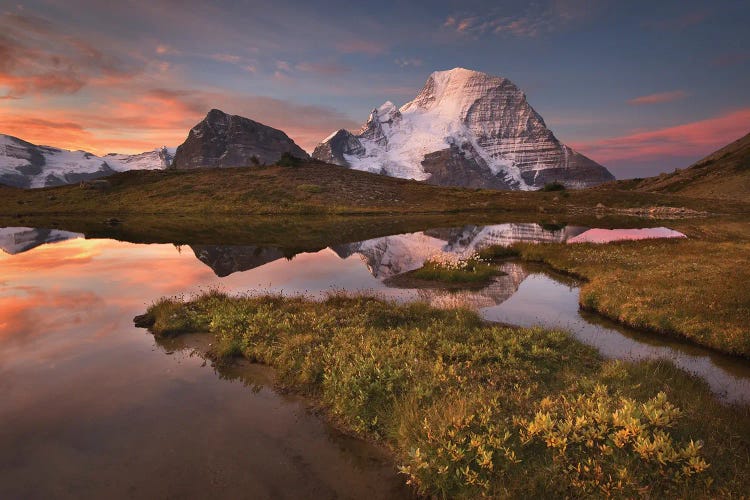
(93,407)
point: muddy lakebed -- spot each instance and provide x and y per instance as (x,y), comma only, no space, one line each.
(94,407)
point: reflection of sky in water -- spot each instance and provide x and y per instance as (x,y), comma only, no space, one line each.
(540,300)
(90,400)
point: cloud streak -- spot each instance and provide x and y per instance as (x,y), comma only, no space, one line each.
(693,139)
(537,19)
(674,95)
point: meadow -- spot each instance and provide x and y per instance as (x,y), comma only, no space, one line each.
(473,409)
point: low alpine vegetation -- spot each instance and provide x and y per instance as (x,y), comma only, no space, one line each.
(553,186)
(496,252)
(444,268)
(310,188)
(471,409)
(288,160)
(665,286)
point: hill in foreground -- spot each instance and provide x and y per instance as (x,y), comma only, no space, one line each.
(724,174)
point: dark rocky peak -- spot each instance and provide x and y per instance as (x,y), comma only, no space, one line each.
(224,140)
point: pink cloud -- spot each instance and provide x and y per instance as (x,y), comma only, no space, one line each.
(164,50)
(227,58)
(690,139)
(406,62)
(673,95)
(36,57)
(730,59)
(360,46)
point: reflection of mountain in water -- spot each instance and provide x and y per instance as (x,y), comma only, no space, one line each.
(14,240)
(495,293)
(392,255)
(225,260)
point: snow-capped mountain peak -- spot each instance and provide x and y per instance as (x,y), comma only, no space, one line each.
(463,128)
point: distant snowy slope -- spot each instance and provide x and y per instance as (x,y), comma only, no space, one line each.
(26,165)
(14,240)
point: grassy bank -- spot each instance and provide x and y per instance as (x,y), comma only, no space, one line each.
(312,188)
(696,289)
(473,409)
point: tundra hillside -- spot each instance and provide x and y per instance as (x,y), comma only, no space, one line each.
(308,188)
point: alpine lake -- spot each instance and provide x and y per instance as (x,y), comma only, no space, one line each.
(92,405)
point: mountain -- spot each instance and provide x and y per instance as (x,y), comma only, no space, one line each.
(225,260)
(222,140)
(26,165)
(724,174)
(464,128)
(15,240)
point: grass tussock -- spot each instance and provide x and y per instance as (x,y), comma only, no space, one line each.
(690,288)
(471,409)
(496,252)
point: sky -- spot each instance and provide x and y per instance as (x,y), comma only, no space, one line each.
(641,87)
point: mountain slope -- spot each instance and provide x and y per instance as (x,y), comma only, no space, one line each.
(26,165)
(724,174)
(464,128)
(222,140)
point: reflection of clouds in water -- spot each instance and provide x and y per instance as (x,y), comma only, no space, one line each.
(610,235)
(28,312)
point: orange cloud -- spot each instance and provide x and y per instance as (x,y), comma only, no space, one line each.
(690,139)
(660,97)
(148,118)
(36,57)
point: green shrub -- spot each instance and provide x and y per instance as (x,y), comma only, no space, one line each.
(288,160)
(605,445)
(553,186)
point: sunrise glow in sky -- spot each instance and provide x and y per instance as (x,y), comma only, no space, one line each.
(639,86)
